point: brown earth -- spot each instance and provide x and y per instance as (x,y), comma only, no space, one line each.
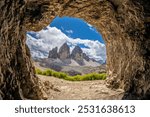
(59,89)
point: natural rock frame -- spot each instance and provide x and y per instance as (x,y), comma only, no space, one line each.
(124,24)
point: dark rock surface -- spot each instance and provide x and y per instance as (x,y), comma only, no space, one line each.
(17,75)
(65,56)
(77,55)
(64,52)
(124,25)
(86,57)
(53,53)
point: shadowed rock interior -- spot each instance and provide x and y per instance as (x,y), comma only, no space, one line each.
(124,25)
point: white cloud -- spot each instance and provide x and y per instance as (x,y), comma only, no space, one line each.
(90,27)
(69,31)
(95,49)
(53,37)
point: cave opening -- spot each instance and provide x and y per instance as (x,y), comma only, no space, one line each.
(69,45)
(123,28)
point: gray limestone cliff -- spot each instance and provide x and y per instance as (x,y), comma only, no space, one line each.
(64,52)
(53,53)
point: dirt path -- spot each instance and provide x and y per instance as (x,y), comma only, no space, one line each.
(62,89)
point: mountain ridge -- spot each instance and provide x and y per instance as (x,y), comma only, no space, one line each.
(64,53)
(40,45)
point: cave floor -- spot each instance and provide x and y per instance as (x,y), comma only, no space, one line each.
(78,90)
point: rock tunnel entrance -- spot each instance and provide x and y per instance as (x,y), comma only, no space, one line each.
(69,45)
(73,50)
(123,24)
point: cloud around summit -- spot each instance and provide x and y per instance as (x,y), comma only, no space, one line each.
(41,42)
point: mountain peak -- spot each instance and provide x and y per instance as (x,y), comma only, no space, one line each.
(53,53)
(64,54)
(64,51)
(77,49)
(77,55)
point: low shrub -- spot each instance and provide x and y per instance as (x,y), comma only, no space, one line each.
(38,71)
(48,72)
(92,76)
(63,75)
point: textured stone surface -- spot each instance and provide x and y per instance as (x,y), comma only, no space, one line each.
(64,52)
(77,55)
(86,57)
(17,77)
(125,27)
(53,53)
(65,56)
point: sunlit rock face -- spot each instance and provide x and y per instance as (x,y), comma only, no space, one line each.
(124,25)
(77,55)
(64,52)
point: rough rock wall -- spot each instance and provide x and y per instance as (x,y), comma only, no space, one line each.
(124,25)
(17,77)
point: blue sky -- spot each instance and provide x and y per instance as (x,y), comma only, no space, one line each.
(72,31)
(76,28)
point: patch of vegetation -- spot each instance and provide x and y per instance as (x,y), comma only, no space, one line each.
(38,71)
(92,76)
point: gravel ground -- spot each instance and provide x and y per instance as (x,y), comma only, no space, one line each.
(79,90)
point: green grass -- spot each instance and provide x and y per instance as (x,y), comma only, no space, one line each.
(61,75)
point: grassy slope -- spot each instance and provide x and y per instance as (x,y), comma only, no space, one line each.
(91,76)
